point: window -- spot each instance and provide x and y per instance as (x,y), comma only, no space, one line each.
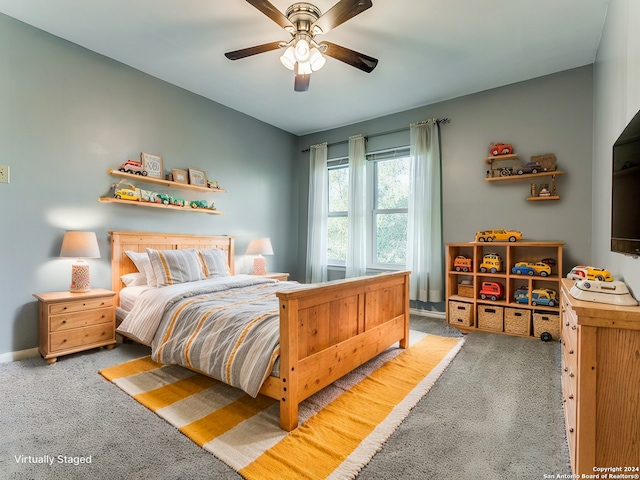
(388,199)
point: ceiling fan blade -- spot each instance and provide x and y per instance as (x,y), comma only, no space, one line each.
(351,57)
(247,52)
(272,12)
(340,13)
(302,82)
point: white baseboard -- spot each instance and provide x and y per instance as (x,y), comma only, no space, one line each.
(19,355)
(428,313)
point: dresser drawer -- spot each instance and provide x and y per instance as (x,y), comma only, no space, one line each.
(80,319)
(80,306)
(80,337)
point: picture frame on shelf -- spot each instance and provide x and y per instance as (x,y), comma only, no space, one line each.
(152,164)
(180,176)
(197,177)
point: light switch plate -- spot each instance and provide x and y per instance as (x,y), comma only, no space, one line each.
(4,173)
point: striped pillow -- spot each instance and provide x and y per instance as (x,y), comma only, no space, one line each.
(214,262)
(175,266)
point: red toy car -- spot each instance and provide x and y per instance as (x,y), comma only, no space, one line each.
(491,290)
(500,149)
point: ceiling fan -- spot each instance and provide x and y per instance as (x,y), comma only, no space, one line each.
(302,53)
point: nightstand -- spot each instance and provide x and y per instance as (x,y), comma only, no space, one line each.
(276,276)
(73,322)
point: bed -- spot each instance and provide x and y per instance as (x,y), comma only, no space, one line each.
(325,330)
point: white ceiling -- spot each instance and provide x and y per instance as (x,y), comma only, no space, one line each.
(428,50)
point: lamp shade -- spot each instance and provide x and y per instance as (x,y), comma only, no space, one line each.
(80,245)
(260,246)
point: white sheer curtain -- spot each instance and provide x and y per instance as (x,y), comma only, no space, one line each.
(425,252)
(356,218)
(318,212)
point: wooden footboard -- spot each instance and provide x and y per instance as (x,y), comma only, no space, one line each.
(328,330)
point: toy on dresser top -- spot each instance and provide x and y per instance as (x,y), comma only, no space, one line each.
(598,285)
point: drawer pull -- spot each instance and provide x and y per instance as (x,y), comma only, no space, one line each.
(64,321)
(567,324)
(571,430)
(573,328)
(571,397)
(571,375)
(566,369)
(570,352)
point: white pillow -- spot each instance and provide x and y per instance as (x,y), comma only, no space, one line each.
(134,279)
(175,266)
(214,262)
(142,263)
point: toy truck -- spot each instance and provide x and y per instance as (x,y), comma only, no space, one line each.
(462,263)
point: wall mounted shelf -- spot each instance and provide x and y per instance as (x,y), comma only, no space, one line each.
(159,205)
(165,183)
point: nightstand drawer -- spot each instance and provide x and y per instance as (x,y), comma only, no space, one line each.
(81,336)
(80,306)
(80,319)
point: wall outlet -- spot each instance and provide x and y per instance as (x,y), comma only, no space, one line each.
(4,173)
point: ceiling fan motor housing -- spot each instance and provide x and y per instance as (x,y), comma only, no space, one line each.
(302,16)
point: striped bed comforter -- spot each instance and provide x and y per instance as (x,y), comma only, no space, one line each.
(227,328)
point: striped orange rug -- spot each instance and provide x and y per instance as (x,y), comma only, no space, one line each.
(341,427)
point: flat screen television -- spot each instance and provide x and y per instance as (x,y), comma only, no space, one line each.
(625,186)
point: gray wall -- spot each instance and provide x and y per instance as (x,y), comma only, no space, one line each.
(67,116)
(617,100)
(551,114)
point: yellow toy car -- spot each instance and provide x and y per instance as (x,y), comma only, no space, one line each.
(527,268)
(498,236)
(582,272)
(128,193)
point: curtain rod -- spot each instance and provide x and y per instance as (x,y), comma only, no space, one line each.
(388,132)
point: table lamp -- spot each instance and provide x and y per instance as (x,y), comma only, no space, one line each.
(80,245)
(259,247)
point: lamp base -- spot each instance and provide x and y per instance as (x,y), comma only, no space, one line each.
(80,278)
(259,266)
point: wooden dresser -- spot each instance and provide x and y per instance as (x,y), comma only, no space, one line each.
(601,384)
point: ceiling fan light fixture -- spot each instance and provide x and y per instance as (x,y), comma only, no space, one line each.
(302,50)
(288,58)
(303,68)
(316,59)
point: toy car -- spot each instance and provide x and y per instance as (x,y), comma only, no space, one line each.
(199,204)
(530,167)
(491,262)
(131,193)
(582,272)
(540,296)
(544,296)
(498,236)
(491,290)
(500,149)
(527,268)
(462,263)
(134,167)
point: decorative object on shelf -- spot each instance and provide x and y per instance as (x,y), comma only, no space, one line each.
(133,167)
(546,161)
(493,291)
(498,235)
(534,190)
(462,263)
(180,176)
(544,190)
(528,268)
(213,184)
(499,148)
(152,164)
(80,245)
(169,177)
(197,177)
(491,262)
(126,191)
(260,247)
(149,196)
(529,167)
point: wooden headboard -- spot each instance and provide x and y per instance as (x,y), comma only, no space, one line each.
(122,241)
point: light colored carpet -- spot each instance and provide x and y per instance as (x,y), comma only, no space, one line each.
(341,427)
(495,413)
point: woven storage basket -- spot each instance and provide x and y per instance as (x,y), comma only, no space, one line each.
(517,321)
(461,313)
(490,318)
(546,322)
(465,290)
